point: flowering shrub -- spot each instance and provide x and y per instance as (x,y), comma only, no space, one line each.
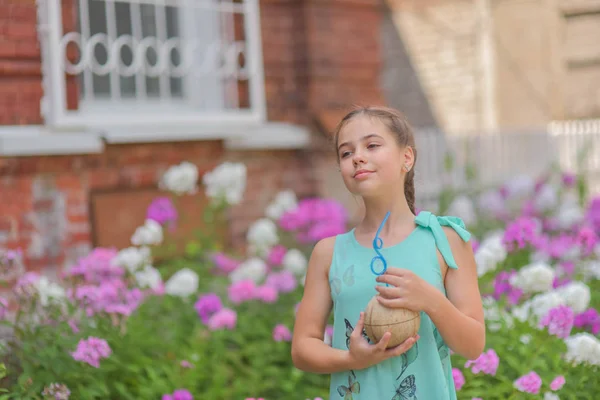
(118,324)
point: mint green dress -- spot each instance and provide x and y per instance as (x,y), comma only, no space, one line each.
(425,371)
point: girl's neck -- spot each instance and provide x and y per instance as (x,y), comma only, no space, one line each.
(400,215)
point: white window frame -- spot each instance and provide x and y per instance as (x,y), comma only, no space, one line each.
(163,113)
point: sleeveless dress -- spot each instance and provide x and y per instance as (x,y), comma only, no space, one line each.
(425,371)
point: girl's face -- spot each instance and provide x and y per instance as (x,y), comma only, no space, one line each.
(371,161)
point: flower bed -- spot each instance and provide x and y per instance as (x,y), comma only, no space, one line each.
(214,325)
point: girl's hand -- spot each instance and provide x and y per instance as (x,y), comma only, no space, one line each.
(406,290)
(364,355)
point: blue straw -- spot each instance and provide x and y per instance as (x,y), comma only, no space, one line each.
(378,245)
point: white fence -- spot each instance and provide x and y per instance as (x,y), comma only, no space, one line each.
(571,145)
(143,62)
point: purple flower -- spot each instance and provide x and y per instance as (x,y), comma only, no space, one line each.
(314,219)
(587,239)
(487,363)
(98,266)
(224,262)
(275,257)
(593,213)
(283,281)
(162,210)
(520,233)
(180,394)
(559,321)
(57,390)
(569,179)
(588,319)
(91,351)
(557,383)
(207,305)
(459,378)
(502,286)
(530,383)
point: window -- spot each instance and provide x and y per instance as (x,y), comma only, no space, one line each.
(143,60)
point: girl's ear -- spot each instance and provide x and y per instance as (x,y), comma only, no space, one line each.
(409,158)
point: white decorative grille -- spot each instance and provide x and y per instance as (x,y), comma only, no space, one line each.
(128,62)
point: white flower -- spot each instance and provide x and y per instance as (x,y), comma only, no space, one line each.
(463,207)
(150,233)
(148,277)
(183,283)
(284,201)
(583,348)
(576,295)
(590,269)
(569,212)
(546,199)
(541,303)
(551,396)
(180,179)
(295,262)
(520,187)
(525,339)
(536,277)
(491,251)
(48,291)
(327,338)
(262,236)
(226,182)
(132,258)
(254,269)
(495,316)
(491,202)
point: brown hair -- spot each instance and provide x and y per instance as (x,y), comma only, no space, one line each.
(397,124)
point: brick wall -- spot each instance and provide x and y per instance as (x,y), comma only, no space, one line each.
(319,56)
(20,72)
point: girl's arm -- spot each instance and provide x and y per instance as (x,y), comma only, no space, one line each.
(459,316)
(309,351)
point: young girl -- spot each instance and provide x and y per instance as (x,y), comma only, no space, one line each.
(430,269)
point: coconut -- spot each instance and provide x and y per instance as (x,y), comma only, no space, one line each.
(400,322)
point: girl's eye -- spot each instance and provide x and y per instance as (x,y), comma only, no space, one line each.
(345,154)
(372,145)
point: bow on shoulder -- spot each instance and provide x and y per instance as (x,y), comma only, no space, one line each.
(435,223)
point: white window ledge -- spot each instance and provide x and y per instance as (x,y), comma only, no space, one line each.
(35,140)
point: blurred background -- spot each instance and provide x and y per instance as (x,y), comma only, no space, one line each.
(98,98)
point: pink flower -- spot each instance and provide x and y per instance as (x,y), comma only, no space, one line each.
(241,291)
(529,383)
(557,383)
(281,333)
(487,363)
(267,294)
(459,378)
(185,364)
(587,239)
(589,318)
(275,257)
(520,233)
(559,321)
(180,394)
(283,281)
(91,351)
(223,319)
(224,262)
(163,211)
(207,305)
